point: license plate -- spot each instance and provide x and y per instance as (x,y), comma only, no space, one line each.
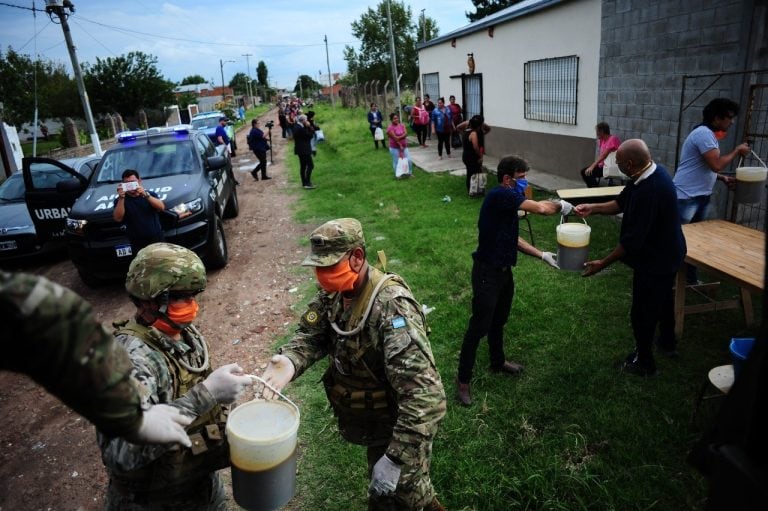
(8,245)
(123,250)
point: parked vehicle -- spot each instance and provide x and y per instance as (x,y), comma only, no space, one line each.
(189,174)
(208,122)
(19,236)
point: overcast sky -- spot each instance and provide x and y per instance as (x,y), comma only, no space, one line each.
(191,36)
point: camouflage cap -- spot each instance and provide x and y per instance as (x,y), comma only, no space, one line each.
(162,267)
(332,240)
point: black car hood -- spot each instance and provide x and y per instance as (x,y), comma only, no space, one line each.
(14,218)
(99,200)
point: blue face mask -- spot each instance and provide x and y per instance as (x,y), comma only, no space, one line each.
(521,185)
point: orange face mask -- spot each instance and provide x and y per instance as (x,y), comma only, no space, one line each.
(720,134)
(337,278)
(180,312)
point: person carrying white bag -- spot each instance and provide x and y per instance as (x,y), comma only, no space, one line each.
(398,147)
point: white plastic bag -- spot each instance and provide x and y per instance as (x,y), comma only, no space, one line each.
(477,184)
(319,135)
(403,168)
(378,134)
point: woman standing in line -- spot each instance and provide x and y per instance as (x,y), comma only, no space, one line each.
(398,142)
(375,120)
(474,145)
(442,127)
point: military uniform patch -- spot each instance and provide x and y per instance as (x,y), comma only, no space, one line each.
(311,317)
(398,322)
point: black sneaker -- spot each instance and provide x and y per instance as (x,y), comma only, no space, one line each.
(639,370)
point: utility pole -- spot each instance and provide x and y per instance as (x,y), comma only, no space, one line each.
(248,65)
(394,59)
(328,64)
(423,27)
(221,66)
(58,7)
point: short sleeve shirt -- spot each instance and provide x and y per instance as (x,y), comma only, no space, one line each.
(610,144)
(498,228)
(141,220)
(694,177)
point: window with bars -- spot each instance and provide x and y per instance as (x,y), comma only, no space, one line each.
(432,86)
(551,89)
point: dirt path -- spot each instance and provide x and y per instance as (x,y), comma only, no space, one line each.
(48,455)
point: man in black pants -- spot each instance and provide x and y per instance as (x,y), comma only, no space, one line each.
(493,285)
(258,144)
(651,242)
(302,140)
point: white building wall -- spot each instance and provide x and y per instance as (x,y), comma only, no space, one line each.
(572,28)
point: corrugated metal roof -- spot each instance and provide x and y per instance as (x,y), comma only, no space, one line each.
(512,12)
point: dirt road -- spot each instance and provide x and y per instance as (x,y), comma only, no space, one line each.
(48,455)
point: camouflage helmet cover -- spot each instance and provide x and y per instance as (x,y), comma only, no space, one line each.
(332,240)
(162,267)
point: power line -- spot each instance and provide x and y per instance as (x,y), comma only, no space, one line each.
(22,7)
(94,38)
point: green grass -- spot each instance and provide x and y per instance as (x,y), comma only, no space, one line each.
(572,432)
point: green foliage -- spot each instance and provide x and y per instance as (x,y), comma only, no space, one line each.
(372,61)
(126,84)
(262,74)
(239,83)
(185,99)
(193,79)
(485,8)
(307,85)
(572,433)
(57,95)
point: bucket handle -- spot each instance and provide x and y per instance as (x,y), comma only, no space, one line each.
(741,160)
(562,217)
(273,389)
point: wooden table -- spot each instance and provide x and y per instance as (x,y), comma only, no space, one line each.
(729,251)
(578,196)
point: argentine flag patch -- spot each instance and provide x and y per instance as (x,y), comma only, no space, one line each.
(398,322)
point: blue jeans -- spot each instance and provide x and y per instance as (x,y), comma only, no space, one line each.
(396,156)
(692,210)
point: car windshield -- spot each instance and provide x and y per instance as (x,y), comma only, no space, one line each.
(206,122)
(150,160)
(12,189)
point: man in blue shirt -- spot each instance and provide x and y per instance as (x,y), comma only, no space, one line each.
(651,242)
(138,209)
(493,285)
(221,132)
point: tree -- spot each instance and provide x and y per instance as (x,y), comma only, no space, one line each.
(239,83)
(372,61)
(192,80)
(485,8)
(262,79)
(57,95)
(307,85)
(127,84)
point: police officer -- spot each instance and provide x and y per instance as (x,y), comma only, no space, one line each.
(50,334)
(382,381)
(170,359)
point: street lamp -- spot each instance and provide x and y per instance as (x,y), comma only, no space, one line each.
(221,66)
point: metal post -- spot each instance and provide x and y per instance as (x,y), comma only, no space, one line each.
(221,66)
(328,64)
(423,27)
(394,59)
(57,8)
(248,67)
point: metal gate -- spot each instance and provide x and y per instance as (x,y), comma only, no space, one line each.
(756,135)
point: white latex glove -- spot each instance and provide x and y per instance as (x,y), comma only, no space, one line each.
(565,207)
(384,478)
(163,424)
(278,373)
(227,383)
(549,258)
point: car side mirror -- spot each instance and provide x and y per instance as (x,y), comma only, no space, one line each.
(216,162)
(70,185)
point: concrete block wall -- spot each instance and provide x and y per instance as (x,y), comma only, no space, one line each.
(647,47)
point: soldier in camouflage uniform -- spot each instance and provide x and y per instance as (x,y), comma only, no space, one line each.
(382,381)
(50,334)
(170,359)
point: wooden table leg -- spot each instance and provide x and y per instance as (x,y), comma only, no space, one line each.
(746,303)
(680,301)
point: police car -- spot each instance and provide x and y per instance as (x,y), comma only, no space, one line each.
(190,175)
(19,237)
(208,122)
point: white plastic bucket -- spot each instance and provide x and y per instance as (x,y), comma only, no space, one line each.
(750,184)
(262,449)
(572,245)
